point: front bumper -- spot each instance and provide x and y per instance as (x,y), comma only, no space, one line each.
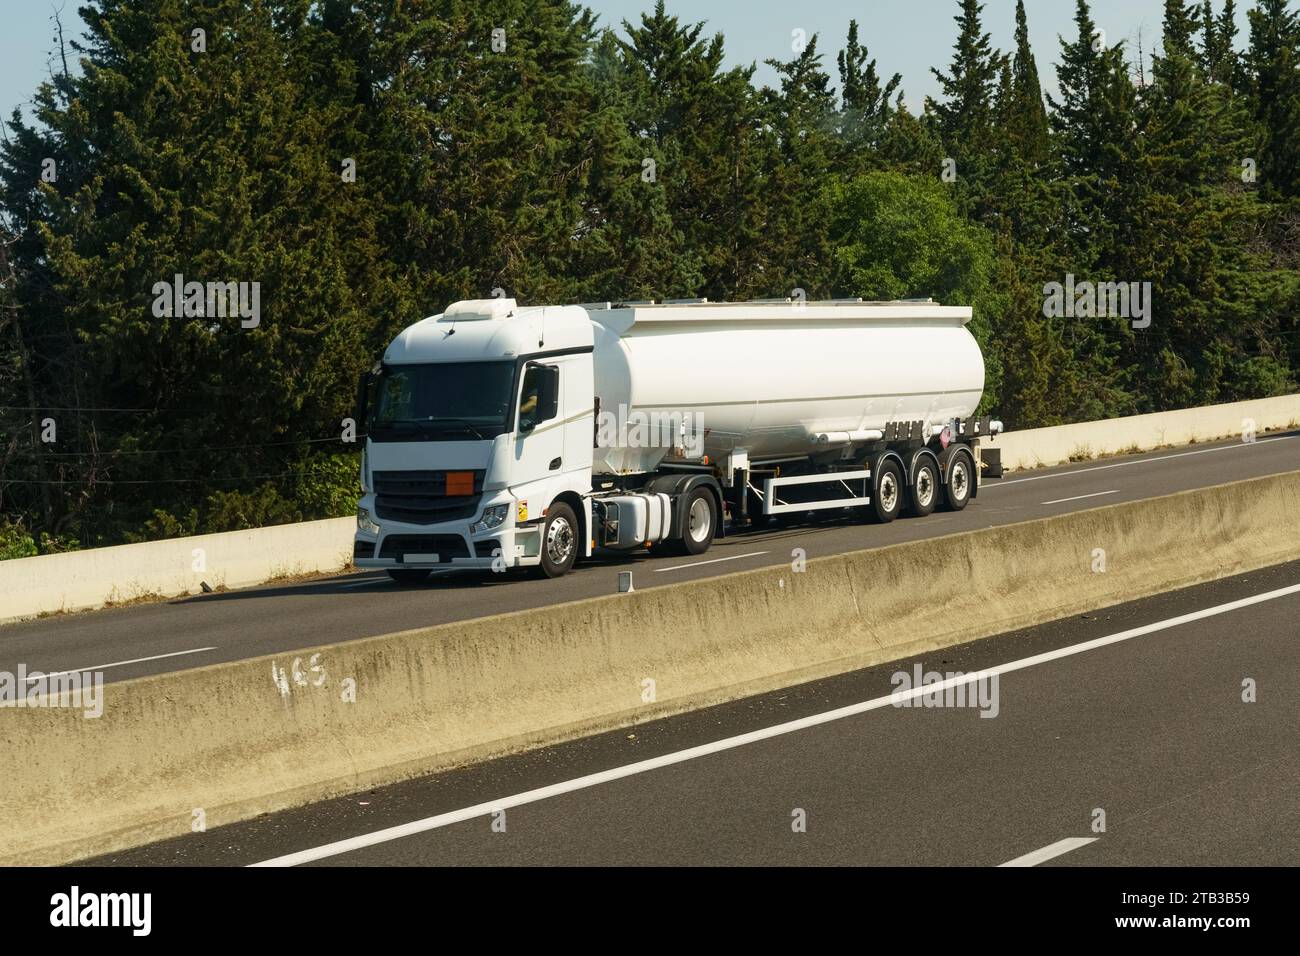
(450,545)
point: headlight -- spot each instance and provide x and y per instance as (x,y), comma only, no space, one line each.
(492,518)
(365,523)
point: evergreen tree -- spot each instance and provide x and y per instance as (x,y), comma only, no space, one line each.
(865,105)
(1274,64)
(710,127)
(1179,29)
(211,160)
(1219,60)
(630,249)
(1026,121)
(511,144)
(910,143)
(803,115)
(1189,235)
(965,115)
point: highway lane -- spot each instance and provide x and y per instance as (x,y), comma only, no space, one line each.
(1151,729)
(206,629)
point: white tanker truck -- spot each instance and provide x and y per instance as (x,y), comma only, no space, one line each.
(503,436)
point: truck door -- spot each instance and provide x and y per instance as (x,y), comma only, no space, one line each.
(539,447)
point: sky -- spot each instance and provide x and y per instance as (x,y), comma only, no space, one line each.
(906,36)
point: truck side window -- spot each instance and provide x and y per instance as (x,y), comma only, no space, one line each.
(539,398)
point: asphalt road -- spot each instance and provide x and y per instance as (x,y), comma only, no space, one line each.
(190,632)
(1151,728)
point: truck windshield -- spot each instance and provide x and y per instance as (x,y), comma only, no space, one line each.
(451,401)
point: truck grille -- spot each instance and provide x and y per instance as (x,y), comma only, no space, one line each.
(420,497)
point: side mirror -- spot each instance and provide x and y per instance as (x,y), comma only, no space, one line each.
(362,411)
(540,398)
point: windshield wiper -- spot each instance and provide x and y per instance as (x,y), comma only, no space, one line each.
(433,425)
(459,423)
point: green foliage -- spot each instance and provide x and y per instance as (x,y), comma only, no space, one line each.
(865,108)
(563,162)
(897,237)
(15,541)
(329,485)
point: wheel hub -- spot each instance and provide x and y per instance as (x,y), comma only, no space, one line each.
(959,481)
(924,487)
(888,493)
(700,520)
(559,541)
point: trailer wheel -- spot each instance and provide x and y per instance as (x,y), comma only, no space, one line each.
(887,502)
(699,521)
(408,575)
(559,541)
(925,490)
(961,475)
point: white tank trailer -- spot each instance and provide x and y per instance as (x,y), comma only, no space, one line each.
(502,436)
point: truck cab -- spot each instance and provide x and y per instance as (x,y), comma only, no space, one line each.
(478,452)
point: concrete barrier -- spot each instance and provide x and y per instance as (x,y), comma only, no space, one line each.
(1041,447)
(238,739)
(81,580)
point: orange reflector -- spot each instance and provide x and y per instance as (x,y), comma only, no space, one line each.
(460,483)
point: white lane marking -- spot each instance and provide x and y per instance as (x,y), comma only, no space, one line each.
(1095,494)
(137,660)
(1124,464)
(1058,848)
(696,564)
(730,743)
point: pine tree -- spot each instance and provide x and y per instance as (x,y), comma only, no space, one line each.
(910,143)
(865,105)
(965,114)
(630,247)
(1027,119)
(1274,63)
(1218,58)
(1077,118)
(1227,66)
(803,115)
(1190,233)
(709,124)
(1179,29)
(212,161)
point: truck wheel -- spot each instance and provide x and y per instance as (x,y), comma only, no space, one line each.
(887,502)
(925,489)
(699,521)
(408,575)
(559,541)
(961,472)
